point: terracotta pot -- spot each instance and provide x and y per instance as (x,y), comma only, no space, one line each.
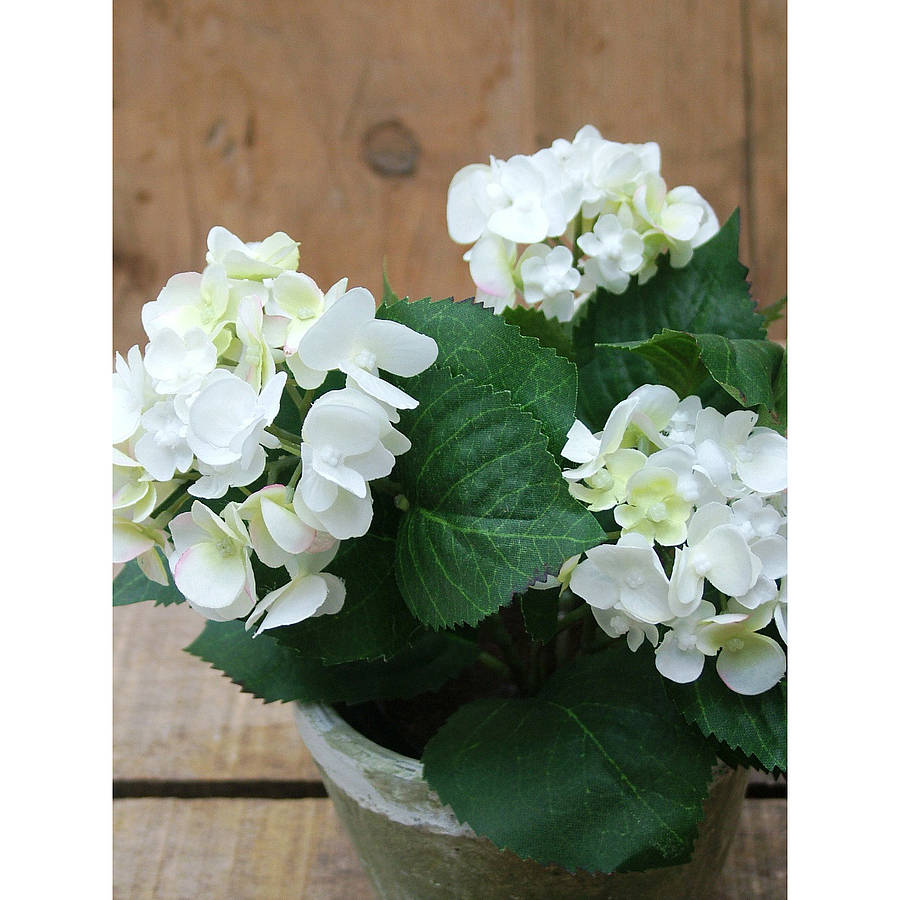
(413,847)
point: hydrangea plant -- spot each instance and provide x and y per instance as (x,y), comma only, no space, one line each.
(466,506)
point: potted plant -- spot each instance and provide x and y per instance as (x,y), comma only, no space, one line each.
(520,560)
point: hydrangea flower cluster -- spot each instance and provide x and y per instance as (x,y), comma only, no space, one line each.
(194,417)
(710,491)
(591,213)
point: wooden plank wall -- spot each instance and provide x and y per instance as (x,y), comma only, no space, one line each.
(342,123)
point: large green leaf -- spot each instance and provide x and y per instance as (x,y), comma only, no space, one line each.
(271,671)
(489,509)
(710,295)
(473,342)
(747,369)
(550,332)
(757,725)
(131,585)
(597,772)
(374,621)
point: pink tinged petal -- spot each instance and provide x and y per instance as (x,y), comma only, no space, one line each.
(490,265)
(681,666)
(318,493)
(757,665)
(399,349)
(285,527)
(296,602)
(207,578)
(762,463)
(593,586)
(379,389)
(129,542)
(269,553)
(334,336)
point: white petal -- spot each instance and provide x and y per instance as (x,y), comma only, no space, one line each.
(285,527)
(204,576)
(399,349)
(348,516)
(380,389)
(732,564)
(765,469)
(772,551)
(295,602)
(593,586)
(333,338)
(681,666)
(759,665)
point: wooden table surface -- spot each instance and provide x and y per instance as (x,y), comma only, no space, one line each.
(216,796)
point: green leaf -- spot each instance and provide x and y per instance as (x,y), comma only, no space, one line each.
(747,369)
(540,610)
(473,342)
(708,296)
(489,509)
(131,585)
(271,671)
(374,621)
(774,311)
(550,332)
(757,726)
(597,772)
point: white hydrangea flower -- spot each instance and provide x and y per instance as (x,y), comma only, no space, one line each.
(680,428)
(211,562)
(626,576)
(227,418)
(716,551)
(163,447)
(616,622)
(310,593)
(749,663)
(132,394)
(677,657)
(608,486)
(190,300)
(548,278)
(349,337)
(277,533)
(492,265)
(653,507)
(342,448)
(256,364)
(614,253)
(134,491)
(216,481)
(615,172)
(348,516)
(295,303)
(179,363)
(508,198)
(731,444)
(253,260)
(681,219)
(756,517)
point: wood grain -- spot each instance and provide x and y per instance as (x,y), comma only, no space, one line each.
(766,47)
(175,717)
(243,849)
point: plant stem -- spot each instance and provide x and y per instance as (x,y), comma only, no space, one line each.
(292,484)
(494,663)
(288,440)
(177,495)
(302,403)
(571,618)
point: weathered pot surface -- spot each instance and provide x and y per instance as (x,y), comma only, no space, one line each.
(413,848)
